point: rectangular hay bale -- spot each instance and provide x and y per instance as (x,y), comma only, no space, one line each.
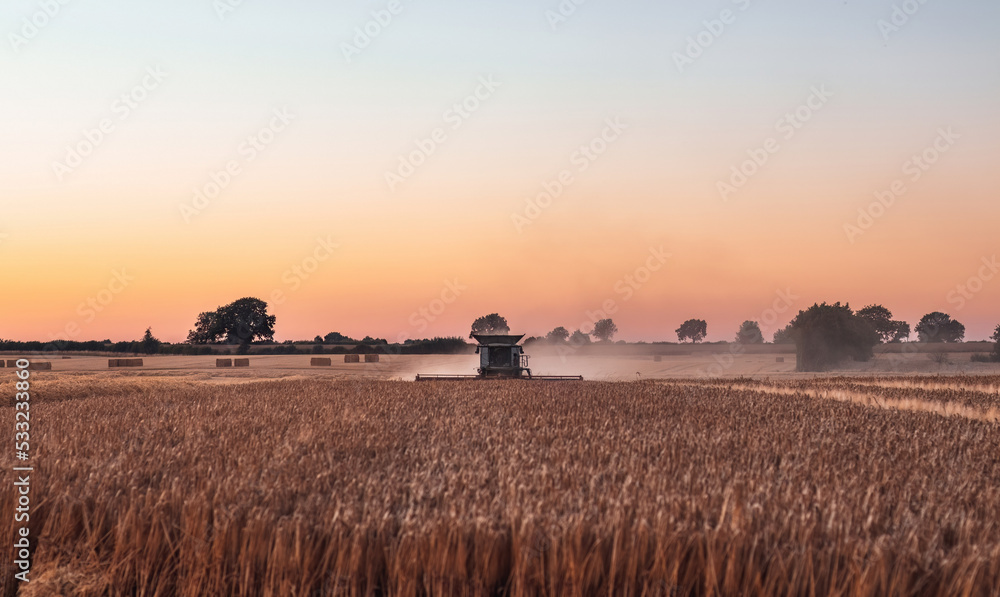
(113,363)
(371,358)
(319,362)
(241,362)
(223,362)
(352,358)
(40,366)
(12,363)
(779,360)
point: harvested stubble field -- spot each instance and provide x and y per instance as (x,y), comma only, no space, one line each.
(368,487)
(976,397)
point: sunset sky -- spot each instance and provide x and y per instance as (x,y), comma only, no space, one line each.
(374,176)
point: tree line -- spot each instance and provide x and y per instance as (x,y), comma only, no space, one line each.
(933,327)
(823,334)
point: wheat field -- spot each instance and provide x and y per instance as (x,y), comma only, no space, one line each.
(366,487)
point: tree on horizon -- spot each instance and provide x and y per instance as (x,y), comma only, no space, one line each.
(490,324)
(826,335)
(240,322)
(579,338)
(902,331)
(939,327)
(559,334)
(881,319)
(749,333)
(604,330)
(695,329)
(783,336)
(149,344)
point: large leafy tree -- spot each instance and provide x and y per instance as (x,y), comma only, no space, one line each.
(902,331)
(207,328)
(881,319)
(693,329)
(784,335)
(826,335)
(749,333)
(605,330)
(560,334)
(939,327)
(240,322)
(338,338)
(490,324)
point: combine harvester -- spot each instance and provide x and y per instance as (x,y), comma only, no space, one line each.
(501,358)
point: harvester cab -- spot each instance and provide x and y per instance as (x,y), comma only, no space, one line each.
(501,356)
